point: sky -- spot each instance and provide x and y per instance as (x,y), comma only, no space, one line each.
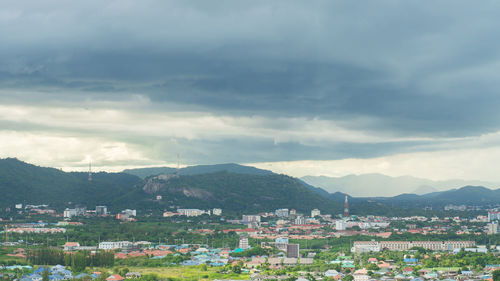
(299,87)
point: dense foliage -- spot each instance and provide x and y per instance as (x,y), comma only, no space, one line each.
(77,260)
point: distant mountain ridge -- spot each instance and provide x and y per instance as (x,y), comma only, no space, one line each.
(198,169)
(255,191)
(263,190)
(377,185)
(467,195)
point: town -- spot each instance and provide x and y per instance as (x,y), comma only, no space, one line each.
(196,244)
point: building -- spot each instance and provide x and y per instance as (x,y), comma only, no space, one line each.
(300,220)
(71,246)
(340,225)
(131,213)
(115,245)
(292,251)
(376,246)
(101,210)
(493,228)
(69,213)
(315,212)
(282,213)
(243,244)
(115,277)
(250,218)
(493,216)
(216,212)
(191,212)
(365,247)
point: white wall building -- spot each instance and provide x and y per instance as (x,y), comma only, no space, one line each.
(315,213)
(114,245)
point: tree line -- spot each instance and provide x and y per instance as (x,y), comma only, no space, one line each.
(77,260)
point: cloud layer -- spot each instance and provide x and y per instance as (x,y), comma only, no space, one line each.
(134,84)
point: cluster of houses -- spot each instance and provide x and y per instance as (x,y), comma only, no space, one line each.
(59,273)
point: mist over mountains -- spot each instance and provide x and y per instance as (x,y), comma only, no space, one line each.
(377,185)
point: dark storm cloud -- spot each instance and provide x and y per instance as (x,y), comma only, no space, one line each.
(394,68)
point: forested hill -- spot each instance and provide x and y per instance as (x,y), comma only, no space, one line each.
(29,184)
(21,182)
(242,192)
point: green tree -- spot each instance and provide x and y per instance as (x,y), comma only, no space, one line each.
(45,274)
(496,275)
(348,277)
(236,269)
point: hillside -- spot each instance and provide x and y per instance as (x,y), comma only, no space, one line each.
(29,184)
(197,170)
(241,192)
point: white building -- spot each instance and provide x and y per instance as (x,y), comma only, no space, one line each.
(315,213)
(340,225)
(243,244)
(101,210)
(114,245)
(131,213)
(251,218)
(493,215)
(281,213)
(300,220)
(191,212)
(493,228)
(69,213)
(217,212)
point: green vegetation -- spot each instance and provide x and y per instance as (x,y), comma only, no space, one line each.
(77,260)
(244,193)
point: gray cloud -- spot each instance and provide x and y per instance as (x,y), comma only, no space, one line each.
(388,69)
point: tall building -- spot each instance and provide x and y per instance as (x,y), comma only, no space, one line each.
(300,220)
(282,213)
(101,210)
(292,251)
(493,216)
(250,218)
(243,244)
(315,213)
(493,228)
(340,225)
(346,207)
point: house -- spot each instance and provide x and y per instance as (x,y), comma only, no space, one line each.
(361,275)
(71,246)
(306,261)
(372,260)
(290,261)
(274,262)
(408,270)
(257,261)
(133,275)
(334,274)
(115,277)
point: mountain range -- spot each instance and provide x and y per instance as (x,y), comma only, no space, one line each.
(377,185)
(232,187)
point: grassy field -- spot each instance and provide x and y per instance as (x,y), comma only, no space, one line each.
(189,273)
